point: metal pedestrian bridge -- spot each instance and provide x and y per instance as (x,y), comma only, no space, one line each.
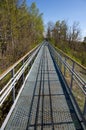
(51,94)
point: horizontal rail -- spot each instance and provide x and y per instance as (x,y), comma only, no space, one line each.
(74,77)
(80,79)
(65,55)
(14,65)
(13,106)
(16,76)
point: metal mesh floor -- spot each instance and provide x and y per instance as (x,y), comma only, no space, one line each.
(42,104)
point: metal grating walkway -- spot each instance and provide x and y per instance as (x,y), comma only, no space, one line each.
(43,104)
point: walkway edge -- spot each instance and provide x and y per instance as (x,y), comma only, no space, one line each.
(13,106)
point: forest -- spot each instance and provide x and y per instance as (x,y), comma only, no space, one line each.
(21,28)
(68,39)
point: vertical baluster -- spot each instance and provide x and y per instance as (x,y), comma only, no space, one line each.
(65,68)
(71,84)
(29,64)
(23,72)
(60,63)
(56,58)
(13,87)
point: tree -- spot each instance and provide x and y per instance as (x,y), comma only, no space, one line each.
(20,27)
(50,27)
(84,39)
(75,35)
(57,30)
(63,30)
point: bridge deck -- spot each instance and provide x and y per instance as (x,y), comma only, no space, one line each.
(43,104)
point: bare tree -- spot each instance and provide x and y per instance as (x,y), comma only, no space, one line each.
(75,32)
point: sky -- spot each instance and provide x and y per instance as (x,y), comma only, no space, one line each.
(69,10)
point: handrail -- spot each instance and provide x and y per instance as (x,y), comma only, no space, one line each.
(63,53)
(15,64)
(82,81)
(74,77)
(16,76)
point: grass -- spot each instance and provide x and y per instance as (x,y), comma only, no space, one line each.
(79,96)
(77,92)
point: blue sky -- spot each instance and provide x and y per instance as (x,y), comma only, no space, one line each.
(70,10)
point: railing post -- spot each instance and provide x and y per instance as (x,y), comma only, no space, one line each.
(13,89)
(56,59)
(29,64)
(60,63)
(71,84)
(23,72)
(65,68)
(84,110)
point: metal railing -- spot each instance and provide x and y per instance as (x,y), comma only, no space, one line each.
(75,76)
(10,78)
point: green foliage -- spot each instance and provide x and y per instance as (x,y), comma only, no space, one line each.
(20,27)
(67,39)
(84,39)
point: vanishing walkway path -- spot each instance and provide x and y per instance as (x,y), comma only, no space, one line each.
(44,103)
